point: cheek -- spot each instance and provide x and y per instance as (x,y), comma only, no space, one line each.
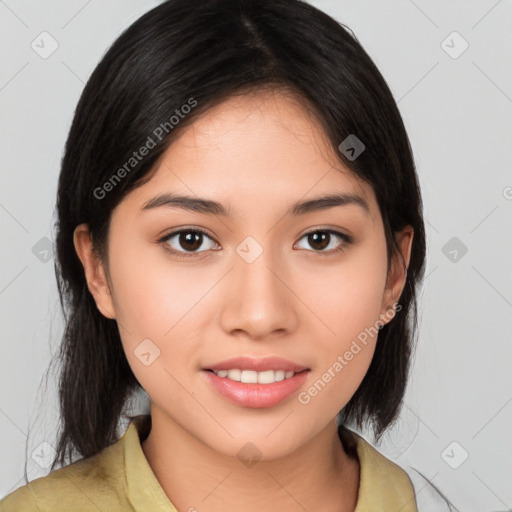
(347,295)
(155,303)
(347,299)
(153,295)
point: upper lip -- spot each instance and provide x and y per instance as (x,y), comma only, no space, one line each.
(258,365)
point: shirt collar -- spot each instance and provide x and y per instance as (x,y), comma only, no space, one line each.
(144,490)
(383,484)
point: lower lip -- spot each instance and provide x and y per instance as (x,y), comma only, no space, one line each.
(257,396)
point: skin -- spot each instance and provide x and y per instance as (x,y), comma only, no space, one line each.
(256,154)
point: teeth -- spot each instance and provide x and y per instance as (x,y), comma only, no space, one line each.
(252,377)
(279,375)
(248,376)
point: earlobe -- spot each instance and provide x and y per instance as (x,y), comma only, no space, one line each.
(95,275)
(398,272)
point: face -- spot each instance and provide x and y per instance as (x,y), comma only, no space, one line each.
(192,286)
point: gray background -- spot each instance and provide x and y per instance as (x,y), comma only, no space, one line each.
(457,108)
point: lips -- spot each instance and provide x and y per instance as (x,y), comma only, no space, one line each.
(256,383)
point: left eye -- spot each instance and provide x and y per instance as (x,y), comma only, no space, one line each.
(322,238)
(189,239)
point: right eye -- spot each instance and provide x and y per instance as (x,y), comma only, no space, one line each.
(189,239)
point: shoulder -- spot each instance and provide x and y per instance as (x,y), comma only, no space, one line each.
(19,500)
(78,486)
(383,484)
(379,466)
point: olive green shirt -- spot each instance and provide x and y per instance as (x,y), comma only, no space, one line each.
(119,478)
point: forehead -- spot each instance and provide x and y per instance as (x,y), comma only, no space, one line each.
(265,125)
(264,148)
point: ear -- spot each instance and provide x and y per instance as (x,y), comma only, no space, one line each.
(397,273)
(95,274)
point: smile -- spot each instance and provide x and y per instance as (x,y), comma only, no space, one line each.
(249,388)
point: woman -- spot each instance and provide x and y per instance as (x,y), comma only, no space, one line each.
(240,235)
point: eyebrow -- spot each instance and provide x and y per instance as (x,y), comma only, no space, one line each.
(208,206)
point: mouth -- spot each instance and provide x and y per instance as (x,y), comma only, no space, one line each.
(256,383)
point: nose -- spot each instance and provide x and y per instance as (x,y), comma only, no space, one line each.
(259,301)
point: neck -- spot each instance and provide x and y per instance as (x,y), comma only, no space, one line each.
(320,476)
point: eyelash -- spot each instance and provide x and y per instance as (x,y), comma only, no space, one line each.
(181,254)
